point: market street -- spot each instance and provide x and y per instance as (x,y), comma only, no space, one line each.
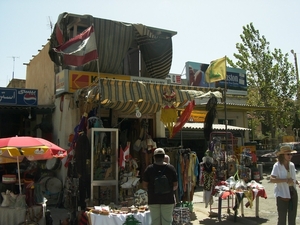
(200,215)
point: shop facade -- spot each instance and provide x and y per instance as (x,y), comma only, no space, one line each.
(128,99)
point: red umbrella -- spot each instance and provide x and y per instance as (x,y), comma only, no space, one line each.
(14,149)
(183,118)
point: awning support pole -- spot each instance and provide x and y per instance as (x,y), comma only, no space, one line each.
(226,122)
(140,62)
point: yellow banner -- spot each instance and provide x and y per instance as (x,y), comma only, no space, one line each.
(198,117)
(216,71)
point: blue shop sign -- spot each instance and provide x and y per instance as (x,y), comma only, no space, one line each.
(18,97)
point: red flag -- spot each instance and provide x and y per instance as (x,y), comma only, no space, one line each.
(79,50)
(58,29)
(183,118)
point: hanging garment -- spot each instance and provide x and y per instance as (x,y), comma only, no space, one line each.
(193,168)
(208,179)
(179,174)
(207,198)
(82,154)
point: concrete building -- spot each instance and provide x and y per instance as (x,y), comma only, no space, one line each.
(128,78)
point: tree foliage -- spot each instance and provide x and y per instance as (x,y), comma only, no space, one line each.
(271,79)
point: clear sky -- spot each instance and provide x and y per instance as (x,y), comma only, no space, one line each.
(206,29)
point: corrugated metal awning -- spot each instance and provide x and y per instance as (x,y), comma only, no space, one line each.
(114,39)
(200,126)
(235,106)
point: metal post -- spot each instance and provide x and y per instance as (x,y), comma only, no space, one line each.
(297,73)
(297,95)
(13,72)
(140,62)
(296,132)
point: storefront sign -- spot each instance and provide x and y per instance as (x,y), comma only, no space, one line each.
(70,80)
(148,80)
(18,97)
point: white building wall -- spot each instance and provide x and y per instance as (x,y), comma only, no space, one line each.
(65,118)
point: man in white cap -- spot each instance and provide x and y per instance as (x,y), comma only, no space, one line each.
(160,180)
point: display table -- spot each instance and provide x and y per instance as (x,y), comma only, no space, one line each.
(256,193)
(239,196)
(224,195)
(14,216)
(118,219)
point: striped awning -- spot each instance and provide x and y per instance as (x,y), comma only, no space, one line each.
(126,96)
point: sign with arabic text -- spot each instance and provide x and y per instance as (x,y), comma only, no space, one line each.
(18,97)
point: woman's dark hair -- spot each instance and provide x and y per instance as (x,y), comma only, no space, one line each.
(281,158)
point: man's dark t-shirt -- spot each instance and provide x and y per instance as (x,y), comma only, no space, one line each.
(150,174)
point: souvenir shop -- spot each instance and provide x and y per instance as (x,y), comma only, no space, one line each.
(122,136)
(109,147)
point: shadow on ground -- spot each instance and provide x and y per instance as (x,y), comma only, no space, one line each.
(230,220)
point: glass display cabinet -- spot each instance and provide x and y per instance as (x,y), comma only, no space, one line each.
(104,165)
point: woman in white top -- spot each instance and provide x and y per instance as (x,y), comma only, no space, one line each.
(284,176)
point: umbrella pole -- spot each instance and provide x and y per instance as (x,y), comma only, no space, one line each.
(19,176)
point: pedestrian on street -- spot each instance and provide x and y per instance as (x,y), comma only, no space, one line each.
(160,180)
(284,176)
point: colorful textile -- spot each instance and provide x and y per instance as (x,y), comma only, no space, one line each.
(79,50)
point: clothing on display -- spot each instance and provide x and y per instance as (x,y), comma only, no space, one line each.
(186,163)
(207,179)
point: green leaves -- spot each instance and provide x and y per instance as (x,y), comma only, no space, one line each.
(271,79)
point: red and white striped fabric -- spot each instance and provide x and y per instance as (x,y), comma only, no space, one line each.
(79,50)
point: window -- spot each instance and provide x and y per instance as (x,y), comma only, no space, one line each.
(230,122)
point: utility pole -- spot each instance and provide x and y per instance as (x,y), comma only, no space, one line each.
(297,73)
(297,96)
(14,59)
